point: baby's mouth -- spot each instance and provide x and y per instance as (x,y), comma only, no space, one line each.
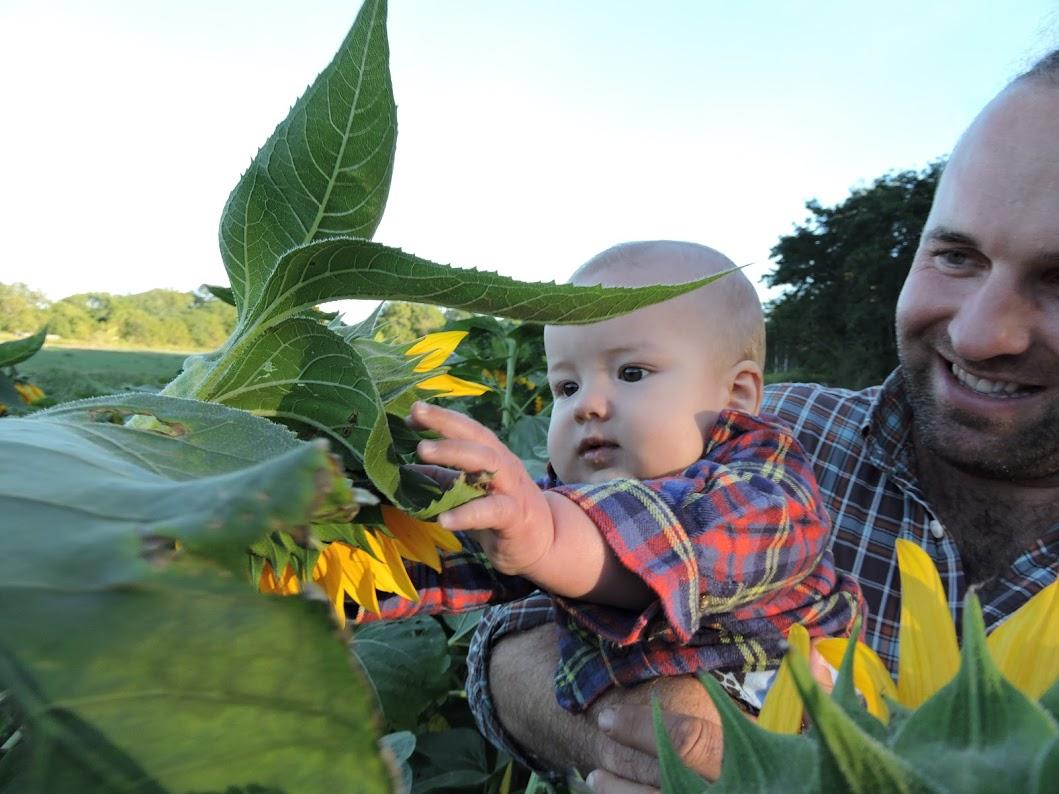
(592,444)
(990,387)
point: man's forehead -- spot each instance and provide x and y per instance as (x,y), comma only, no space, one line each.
(1003,176)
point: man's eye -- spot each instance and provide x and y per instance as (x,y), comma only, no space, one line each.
(631,374)
(565,388)
(954,258)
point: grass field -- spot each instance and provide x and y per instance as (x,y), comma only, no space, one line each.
(68,373)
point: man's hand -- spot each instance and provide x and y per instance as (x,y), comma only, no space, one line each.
(515,512)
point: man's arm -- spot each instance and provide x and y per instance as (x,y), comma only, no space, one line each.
(521,683)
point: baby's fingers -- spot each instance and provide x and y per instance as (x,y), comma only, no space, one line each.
(450,424)
(468,456)
(495,511)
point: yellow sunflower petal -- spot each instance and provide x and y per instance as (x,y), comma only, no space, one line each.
(287,584)
(437,347)
(870,676)
(451,386)
(342,570)
(1026,646)
(388,569)
(419,540)
(928,656)
(782,710)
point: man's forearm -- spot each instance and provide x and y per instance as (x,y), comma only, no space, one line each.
(521,681)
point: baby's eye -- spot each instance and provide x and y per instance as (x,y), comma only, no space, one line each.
(564,388)
(631,374)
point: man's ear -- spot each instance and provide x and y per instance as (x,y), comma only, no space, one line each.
(746,387)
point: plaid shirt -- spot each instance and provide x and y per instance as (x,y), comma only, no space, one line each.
(734,548)
(860,444)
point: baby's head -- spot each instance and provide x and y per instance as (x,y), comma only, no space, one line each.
(636,395)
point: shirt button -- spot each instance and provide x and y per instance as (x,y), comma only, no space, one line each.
(936,529)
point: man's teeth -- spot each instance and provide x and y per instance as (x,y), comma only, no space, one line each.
(983,386)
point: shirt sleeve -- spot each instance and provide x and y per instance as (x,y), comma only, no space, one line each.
(466,581)
(734,529)
(497,623)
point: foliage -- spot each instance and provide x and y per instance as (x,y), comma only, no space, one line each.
(17,393)
(131,638)
(400,321)
(22,310)
(844,268)
(990,724)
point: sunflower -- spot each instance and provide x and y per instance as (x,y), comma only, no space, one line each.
(1023,649)
(342,569)
(435,350)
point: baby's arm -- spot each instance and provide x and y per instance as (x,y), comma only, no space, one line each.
(536,534)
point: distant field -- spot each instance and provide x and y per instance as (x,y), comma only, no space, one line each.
(67,373)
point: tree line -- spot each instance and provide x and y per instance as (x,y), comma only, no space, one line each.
(159,318)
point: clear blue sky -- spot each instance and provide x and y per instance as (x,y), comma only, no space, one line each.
(532,133)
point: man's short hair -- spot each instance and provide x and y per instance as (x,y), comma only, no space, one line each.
(1045,70)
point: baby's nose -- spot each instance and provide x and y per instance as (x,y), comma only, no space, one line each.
(593,403)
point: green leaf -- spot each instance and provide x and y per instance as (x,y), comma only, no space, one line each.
(1046,768)
(755,759)
(1050,701)
(326,169)
(348,268)
(977,726)
(190,681)
(135,663)
(302,374)
(104,494)
(676,778)
(223,294)
(845,696)
(407,664)
(401,745)
(850,759)
(462,624)
(18,350)
(462,490)
(450,759)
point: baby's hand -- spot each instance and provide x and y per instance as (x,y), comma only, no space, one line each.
(515,510)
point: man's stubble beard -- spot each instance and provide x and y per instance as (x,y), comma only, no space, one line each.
(1024,454)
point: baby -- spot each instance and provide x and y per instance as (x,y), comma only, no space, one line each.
(676,531)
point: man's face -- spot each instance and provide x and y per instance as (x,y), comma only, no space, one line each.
(634,395)
(978,317)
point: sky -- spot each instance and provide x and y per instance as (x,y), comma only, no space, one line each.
(532,133)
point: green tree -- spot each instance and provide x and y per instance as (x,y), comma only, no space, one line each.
(404,322)
(22,310)
(844,267)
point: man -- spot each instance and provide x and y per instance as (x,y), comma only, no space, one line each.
(958,450)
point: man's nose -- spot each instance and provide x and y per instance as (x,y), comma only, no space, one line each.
(592,403)
(995,320)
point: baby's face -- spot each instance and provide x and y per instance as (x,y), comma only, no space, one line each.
(634,395)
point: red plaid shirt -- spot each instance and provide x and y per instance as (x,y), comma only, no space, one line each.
(735,548)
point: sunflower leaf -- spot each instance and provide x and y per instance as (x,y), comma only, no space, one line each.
(977,725)
(407,663)
(18,350)
(326,169)
(342,268)
(756,759)
(676,778)
(129,657)
(850,759)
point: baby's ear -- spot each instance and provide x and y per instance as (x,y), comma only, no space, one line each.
(746,387)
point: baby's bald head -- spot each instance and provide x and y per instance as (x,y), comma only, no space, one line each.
(729,307)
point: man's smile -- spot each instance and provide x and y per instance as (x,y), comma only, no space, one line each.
(1003,389)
